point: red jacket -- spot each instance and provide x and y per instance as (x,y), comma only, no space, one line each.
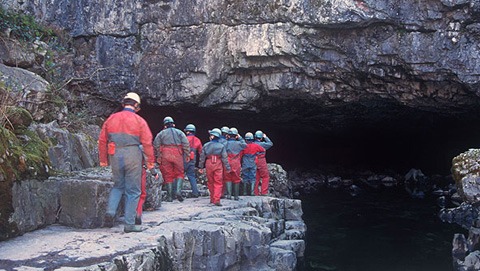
(126,128)
(195,145)
(253,148)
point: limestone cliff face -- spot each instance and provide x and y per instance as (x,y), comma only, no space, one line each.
(338,57)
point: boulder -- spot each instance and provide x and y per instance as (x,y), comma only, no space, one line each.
(280,185)
(16,54)
(84,197)
(154,193)
(297,246)
(35,203)
(282,259)
(30,91)
(83,202)
(466,173)
(69,151)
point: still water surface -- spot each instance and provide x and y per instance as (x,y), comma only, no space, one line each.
(376,231)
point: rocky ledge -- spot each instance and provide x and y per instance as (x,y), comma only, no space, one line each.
(255,233)
(466,173)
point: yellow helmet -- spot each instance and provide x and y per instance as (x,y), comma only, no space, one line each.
(132,96)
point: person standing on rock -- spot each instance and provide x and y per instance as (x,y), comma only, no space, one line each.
(195,150)
(214,159)
(262,168)
(223,140)
(119,146)
(235,145)
(173,149)
(249,166)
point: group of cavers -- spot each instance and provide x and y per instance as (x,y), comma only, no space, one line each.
(228,159)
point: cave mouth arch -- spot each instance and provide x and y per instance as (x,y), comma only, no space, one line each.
(387,142)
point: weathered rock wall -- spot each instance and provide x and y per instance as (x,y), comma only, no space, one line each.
(345,58)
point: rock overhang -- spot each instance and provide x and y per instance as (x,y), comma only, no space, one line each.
(374,134)
(350,70)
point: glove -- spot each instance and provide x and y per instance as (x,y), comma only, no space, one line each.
(150,165)
(102,164)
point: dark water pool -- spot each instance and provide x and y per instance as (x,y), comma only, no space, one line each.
(376,231)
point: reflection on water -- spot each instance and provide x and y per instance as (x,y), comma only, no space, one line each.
(384,231)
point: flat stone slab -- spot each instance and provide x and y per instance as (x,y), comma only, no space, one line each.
(58,247)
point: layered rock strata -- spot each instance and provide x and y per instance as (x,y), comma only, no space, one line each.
(330,62)
(255,233)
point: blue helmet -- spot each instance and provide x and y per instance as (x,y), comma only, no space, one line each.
(190,128)
(225,130)
(215,132)
(168,120)
(233,131)
(258,134)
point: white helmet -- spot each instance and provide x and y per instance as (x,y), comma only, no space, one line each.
(248,136)
(132,96)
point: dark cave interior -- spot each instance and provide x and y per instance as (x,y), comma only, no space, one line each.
(398,143)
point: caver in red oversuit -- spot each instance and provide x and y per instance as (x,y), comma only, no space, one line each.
(263,175)
(214,158)
(235,146)
(172,149)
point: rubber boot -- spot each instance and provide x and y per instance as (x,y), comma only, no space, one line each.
(252,189)
(169,192)
(109,221)
(229,190)
(179,184)
(236,191)
(245,192)
(133,228)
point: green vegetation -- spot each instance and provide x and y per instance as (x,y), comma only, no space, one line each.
(48,41)
(22,154)
(24,27)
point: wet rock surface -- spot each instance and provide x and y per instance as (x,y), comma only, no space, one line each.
(61,219)
(250,234)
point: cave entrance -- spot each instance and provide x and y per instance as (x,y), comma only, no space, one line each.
(427,141)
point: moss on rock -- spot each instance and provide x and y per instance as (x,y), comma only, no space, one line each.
(22,155)
(18,117)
